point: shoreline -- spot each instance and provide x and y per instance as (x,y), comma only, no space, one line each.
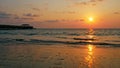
(34,56)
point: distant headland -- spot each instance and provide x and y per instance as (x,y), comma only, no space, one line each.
(15,27)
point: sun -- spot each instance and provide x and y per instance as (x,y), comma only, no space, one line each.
(91,19)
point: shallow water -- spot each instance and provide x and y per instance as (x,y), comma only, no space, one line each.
(59,56)
(60,48)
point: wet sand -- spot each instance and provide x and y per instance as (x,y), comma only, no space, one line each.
(61,56)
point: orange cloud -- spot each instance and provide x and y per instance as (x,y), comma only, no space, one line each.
(116,12)
(76,3)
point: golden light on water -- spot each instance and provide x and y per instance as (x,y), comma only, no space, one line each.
(90,36)
(89,57)
(90,48)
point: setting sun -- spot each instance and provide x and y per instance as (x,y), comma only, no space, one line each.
(91,19)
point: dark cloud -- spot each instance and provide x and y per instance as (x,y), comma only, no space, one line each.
(61,21)
(82,20)
(26,18)
(116,12)
(22,18)
(30,15)
(5,15)
(77,3)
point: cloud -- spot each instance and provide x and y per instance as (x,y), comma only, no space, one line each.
(116,12)
(36,9)
(96,0)
(43,7)
(84,0)
(22,18)
(61,21)
(26,18)
(30,15)
(76,3)
(82,20)
(5,15)
(51,21)
(16,17)
(80,3)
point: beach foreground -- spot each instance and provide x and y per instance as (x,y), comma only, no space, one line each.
(62,56)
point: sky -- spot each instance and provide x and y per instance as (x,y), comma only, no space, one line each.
(61,13)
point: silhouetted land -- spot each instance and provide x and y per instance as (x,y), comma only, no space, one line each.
(10,27)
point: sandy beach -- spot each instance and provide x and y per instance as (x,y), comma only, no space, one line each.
(61,56)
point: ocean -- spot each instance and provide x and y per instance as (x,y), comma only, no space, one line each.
(60,48)
(97,37)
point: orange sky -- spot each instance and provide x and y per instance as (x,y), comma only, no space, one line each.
(61,13)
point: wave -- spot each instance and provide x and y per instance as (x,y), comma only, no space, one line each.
(67,32)
(86,39)
(37,41)
(58,36)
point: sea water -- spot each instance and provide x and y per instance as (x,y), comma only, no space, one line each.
(60,48)
(103,37)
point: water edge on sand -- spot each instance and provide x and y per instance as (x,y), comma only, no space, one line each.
(59,56)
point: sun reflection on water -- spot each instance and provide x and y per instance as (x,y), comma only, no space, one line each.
(90,35)
(89,57)
(90,48)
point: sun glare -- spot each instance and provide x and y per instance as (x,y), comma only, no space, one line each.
(90,48)
(90,19)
